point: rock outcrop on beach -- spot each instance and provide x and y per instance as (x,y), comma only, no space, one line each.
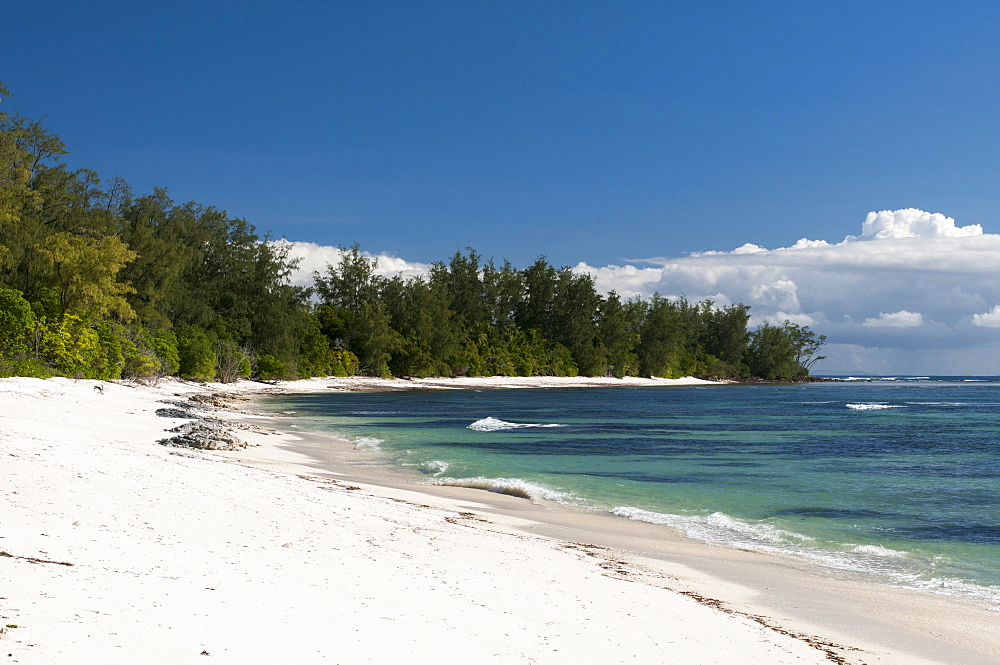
(203,432)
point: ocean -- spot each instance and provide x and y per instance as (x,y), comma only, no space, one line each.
(894,478)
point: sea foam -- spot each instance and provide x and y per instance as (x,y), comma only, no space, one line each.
(492,424)
(511,486)
(878,550)
(874,407)
(718,528)
(367,443)
(433,467)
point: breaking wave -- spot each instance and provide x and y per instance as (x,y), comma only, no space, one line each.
(367,443)
(874,407)
(511,486)
(492,424)
(878,550)
(433,467)
(717,528)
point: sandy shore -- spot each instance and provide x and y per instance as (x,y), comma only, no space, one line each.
(466,383)
(120,550)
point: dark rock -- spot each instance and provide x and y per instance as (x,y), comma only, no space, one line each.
(175,413)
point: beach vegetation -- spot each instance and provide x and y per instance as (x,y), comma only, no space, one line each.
(195,355)
(99,281)
(17,325)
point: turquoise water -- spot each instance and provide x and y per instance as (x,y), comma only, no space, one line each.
(897,478)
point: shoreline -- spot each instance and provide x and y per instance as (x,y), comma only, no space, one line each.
(792,593)
(366,383)
(521,581)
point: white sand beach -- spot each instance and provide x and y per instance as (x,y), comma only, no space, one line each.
(115,549)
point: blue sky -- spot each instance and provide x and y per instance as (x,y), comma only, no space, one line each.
(600,133)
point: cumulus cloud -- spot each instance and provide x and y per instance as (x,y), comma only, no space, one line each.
(780,294)
(990,319)
(900,319)
(313,258)
(913,223)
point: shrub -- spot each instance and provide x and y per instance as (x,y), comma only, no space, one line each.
(196,355)
(71,347)
(270,368)
(17,324)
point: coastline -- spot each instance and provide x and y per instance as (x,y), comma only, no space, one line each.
(176,548)
(887,623)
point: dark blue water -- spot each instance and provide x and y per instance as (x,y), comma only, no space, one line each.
(897,478)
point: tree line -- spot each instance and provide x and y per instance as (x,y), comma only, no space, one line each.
(97,281)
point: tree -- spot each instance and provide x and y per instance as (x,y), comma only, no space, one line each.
(618,330)
(663,339)
(724,338)
(85,275)
(805,344)
(535,311)
(418,310)
(464,286)
(352,283)
(574,325)
(772,353)
(196,355)
(372,339)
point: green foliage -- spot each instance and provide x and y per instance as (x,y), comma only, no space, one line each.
(412,357)
(372,340)
(85,273)
(195,355)
(772,353)
(343,363)
(26,367)
(352,283)
(805,344)
(72,348)
(270,368)
(113,347)
(163,345)
(618,332)
(315,358)
(17,325)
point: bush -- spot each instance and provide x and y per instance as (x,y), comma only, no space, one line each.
(17,324)
(270,368)
(28,367)
(343,363)
(71,348)
(163,345)
(314,352)
(196,355)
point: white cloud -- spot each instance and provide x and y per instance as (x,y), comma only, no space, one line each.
(805,243)
(780,294)
(990,319)
(900,319)
(749,248)
(315,258)
(779,317)
(913,223)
